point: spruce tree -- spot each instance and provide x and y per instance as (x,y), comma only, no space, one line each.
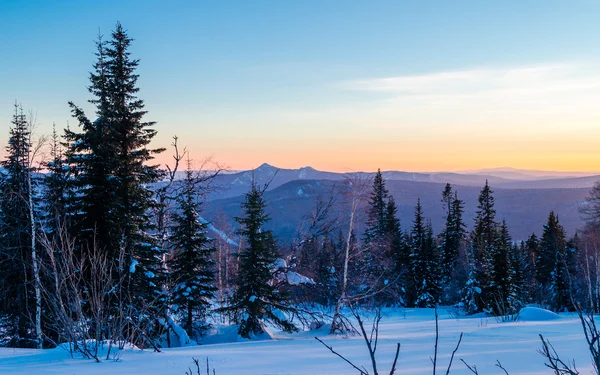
(500,272)
(16,272)
(471,292)
(377,211)
(58,190)
(552,265)
(452,239)
(191,266)
(519,268)
(327,274)
(425,261)
(552,242)
(111,157)
(483,239)
(381,238)
(531,252)
(395,236)
(256,298)
(397,270)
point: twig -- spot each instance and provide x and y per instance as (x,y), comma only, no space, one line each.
(499,365)
(393,369)
(361,371)
(473,368)
(454,352)
(554,361)
(437,337)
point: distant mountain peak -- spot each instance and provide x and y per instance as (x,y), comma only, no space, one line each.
(265,167)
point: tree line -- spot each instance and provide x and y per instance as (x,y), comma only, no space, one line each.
(100,246)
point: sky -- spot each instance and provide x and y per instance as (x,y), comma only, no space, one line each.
(336,85)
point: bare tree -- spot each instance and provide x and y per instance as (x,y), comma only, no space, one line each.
(33,153)
(590,211)
(371,338)
(87,299)
(355,194)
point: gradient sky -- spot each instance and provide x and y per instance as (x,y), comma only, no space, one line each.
(337,85)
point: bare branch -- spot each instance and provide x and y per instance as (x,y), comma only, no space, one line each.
(553,360)
(453,353)
(361,371)
(473,368)
(499,365)
(437,337)
(393,369)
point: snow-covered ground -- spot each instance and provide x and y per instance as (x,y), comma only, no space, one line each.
(485,340)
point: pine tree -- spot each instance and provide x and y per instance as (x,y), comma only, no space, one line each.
(377,212)
(500,272)
(519,268)
(452,239)
(552,265)
(531,252)
(327,274)
(58,192)
(16,271)
(471,292)
(425,261)
(483,239)
(398,263)
(552,242)
(256,299)
(377,257)
(91,156)
(191,267)
(111,157)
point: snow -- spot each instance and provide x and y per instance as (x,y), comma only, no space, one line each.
(132,266)
(485,340)
(535,314)
(289,276)
(219,232)
(294,278)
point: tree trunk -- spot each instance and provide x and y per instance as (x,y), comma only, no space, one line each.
(36,269)
(336,323)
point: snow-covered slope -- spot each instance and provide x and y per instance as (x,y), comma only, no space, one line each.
(485,340)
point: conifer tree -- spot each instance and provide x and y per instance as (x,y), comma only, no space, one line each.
(531,252)
(425,261)
(519,268)
(327,274)
(111,157)
(552,242)
(16,271)
(256,298)
(483,239)
(452,239)
(399,262)
(471,293)
(191,267)
(58,192)
(377,212)
(376,237)
(552,265)
(500,287)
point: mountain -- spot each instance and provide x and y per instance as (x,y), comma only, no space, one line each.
(236,184)
(526,174)
(525,210)
(554,183)
(231,185)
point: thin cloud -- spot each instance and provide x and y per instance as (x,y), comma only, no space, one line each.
(530,93)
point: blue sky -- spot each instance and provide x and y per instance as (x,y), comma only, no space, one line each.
(343,85)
